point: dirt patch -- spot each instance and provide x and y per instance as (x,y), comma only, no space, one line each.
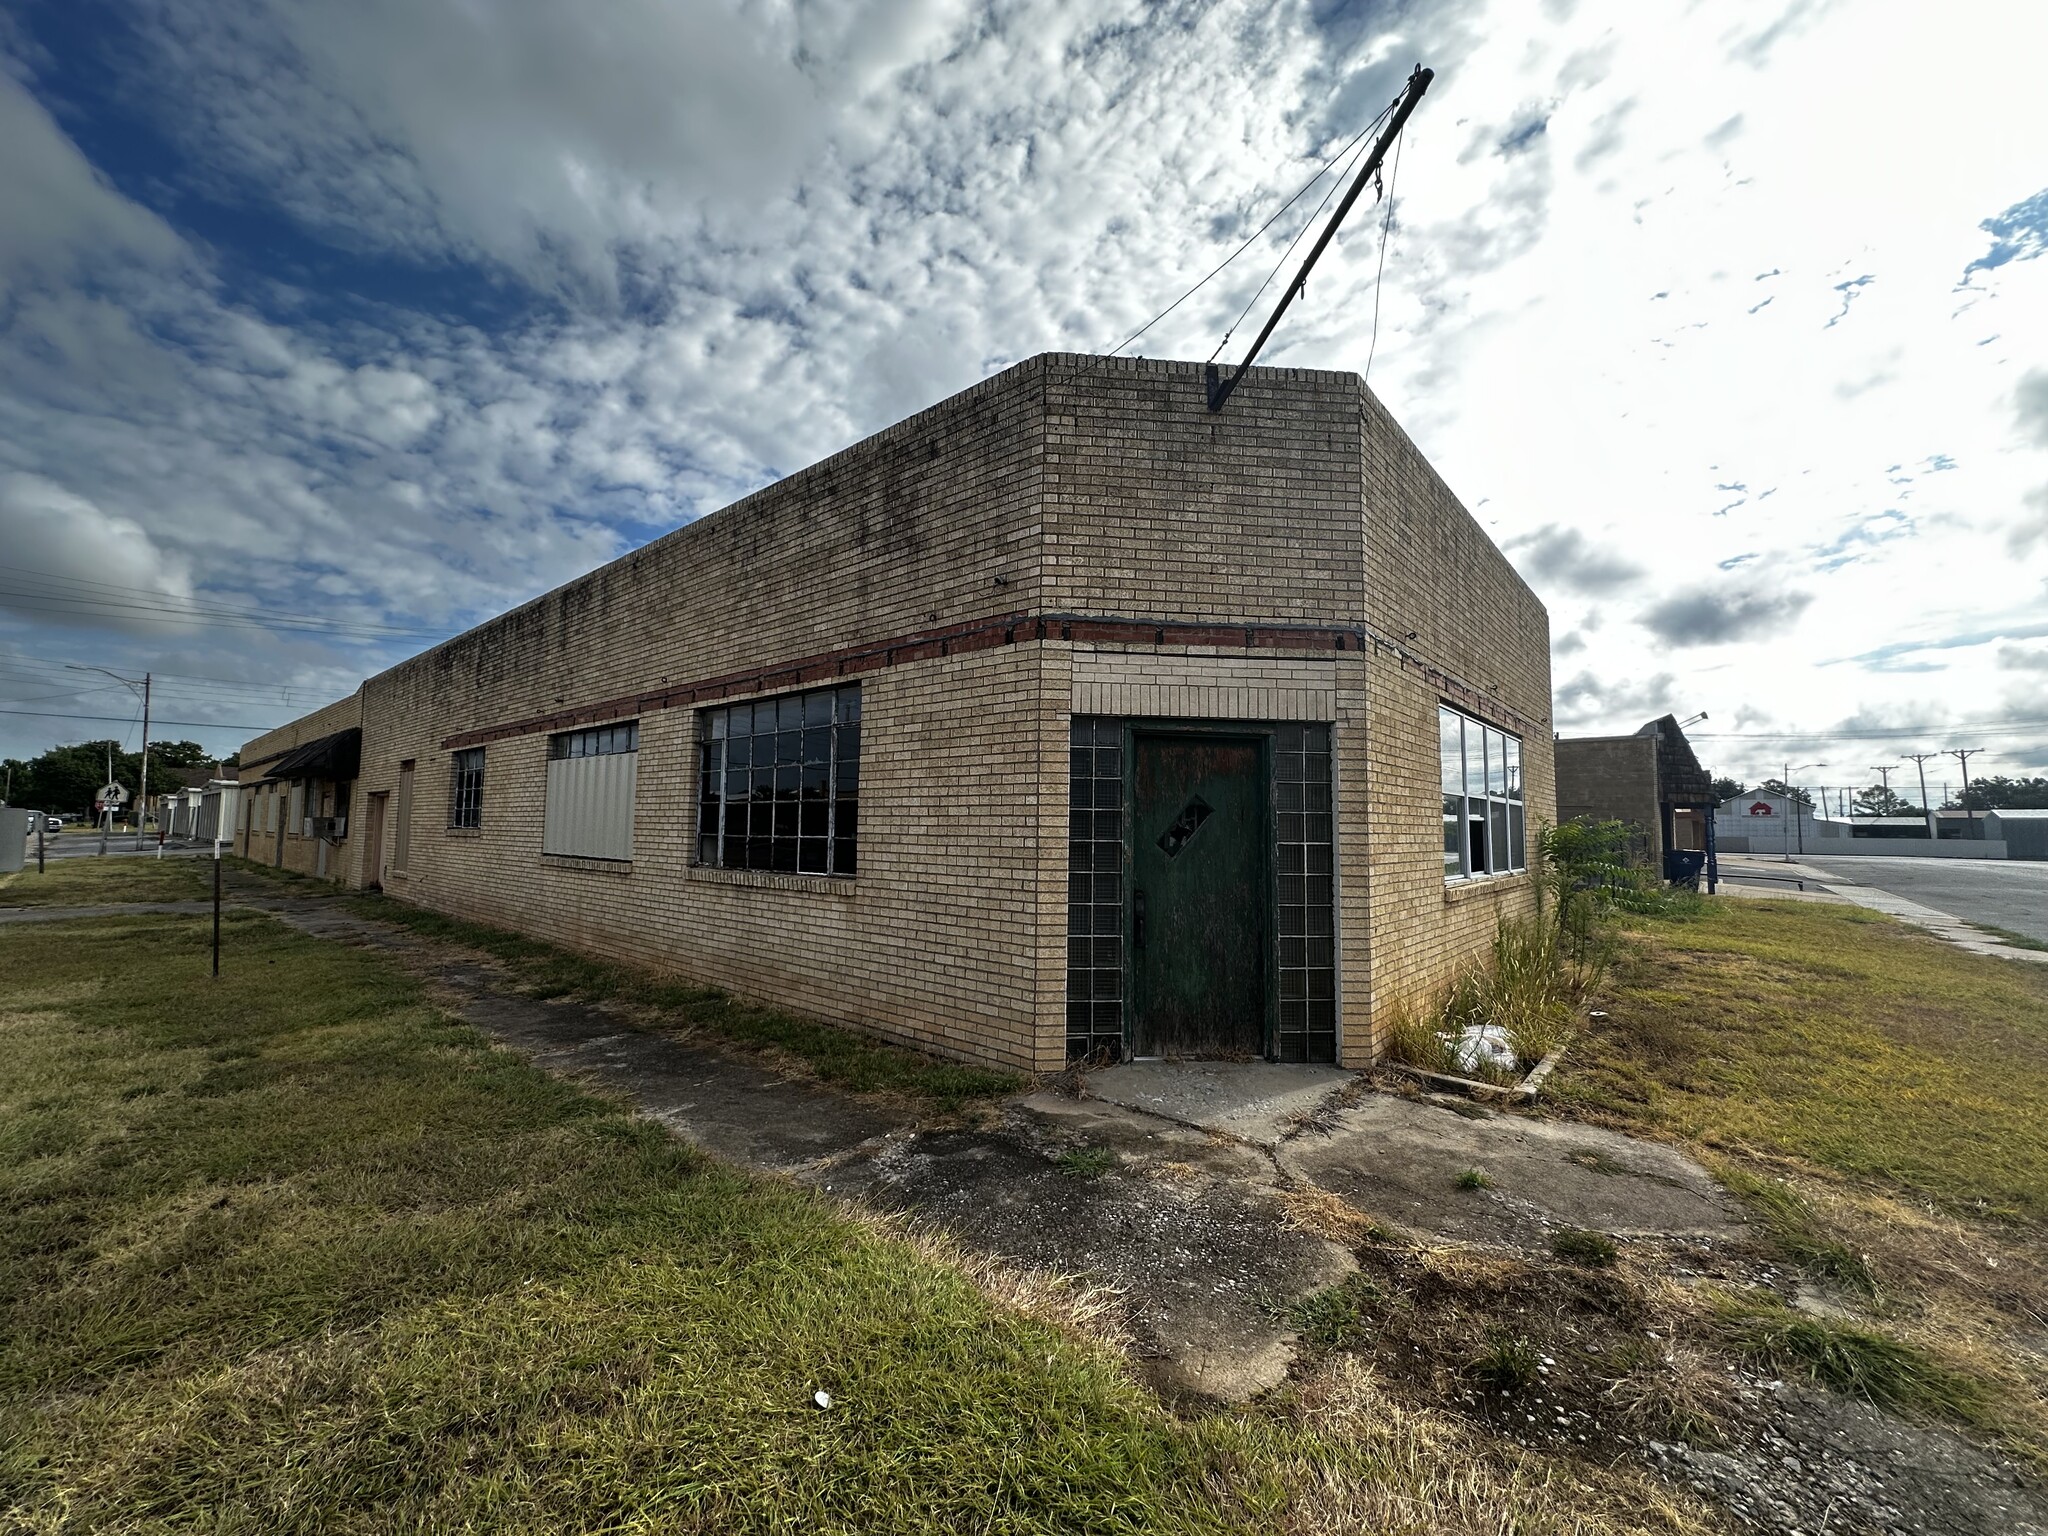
(1621,1365)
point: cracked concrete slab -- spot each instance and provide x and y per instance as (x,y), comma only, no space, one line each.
(1186,1227)
(1400,1160)
(1257,1101)
(1186,1221)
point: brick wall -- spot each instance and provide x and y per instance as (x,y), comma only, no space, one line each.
(1459,627)
(1153,506)
(1612,778)
(287,847)
(921,562)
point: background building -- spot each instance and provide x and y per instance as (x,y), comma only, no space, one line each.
(1649,780)
(1062,718)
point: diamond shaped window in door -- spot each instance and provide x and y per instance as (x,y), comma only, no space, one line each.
(1185,826)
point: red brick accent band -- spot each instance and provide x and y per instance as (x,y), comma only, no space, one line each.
(982,635)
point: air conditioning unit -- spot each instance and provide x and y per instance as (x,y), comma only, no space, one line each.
(332,828)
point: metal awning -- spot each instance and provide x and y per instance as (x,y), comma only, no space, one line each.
(336,757)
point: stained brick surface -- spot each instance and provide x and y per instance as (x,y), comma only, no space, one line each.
(1315,565)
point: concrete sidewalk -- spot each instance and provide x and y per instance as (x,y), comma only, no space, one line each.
(1176,1185)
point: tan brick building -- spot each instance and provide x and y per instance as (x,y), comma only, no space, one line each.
(1064,716)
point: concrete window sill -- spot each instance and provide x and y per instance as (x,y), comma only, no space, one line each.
(465,831)
(594,866)
(1465,890)
(762,879)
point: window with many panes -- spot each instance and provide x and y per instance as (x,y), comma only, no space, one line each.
(466,808)
(592,779)
(1482,790)
(598,741)
(778,783)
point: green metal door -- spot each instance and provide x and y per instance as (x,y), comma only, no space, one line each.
(1198,896)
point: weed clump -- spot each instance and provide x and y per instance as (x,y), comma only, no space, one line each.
(1593,1250)
(1852,1360)
(1506,1362)
(1473,1178)
(1086,1162)
(1336,1318)
(1796,1231)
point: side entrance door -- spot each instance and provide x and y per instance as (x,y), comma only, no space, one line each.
(1199,923)
(373,842)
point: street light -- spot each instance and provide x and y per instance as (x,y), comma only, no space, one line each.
(142,795)
(1792,804)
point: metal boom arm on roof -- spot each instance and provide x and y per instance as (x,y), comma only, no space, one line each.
(1220,388)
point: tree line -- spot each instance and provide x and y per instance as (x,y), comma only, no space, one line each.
(64,780)
(1998,792)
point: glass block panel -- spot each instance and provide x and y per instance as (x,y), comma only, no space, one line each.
(1095,915)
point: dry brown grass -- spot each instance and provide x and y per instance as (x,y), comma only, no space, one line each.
(1431,1472)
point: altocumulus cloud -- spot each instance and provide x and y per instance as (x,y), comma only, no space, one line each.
(395,314)
(1713,616)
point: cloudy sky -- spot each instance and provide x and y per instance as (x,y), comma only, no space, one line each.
(327,330)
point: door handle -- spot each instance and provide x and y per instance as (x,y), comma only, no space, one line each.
(1137,919)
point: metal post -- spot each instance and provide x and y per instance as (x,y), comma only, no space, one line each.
(42,826)
(1713,854)
(216,909)
(1220,389)
(142,795)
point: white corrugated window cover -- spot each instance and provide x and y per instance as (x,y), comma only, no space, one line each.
(590,806)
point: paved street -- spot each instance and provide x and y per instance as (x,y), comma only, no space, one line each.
(2006,893)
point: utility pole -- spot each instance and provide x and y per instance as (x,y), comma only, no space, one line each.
(1919,761)
(1884,776)
(142,795)
(1963,756)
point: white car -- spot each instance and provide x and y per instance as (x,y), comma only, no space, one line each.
(53,823)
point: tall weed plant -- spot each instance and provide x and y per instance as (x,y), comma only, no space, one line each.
(1540,970)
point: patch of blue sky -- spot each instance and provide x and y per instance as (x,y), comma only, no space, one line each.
(262,260)
(1856,542)
(1849,292)
(1523,134)
(2020,233)
(1884,653)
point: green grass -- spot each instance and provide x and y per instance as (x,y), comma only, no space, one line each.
(1592,1250)
(1086,1162)
(1855,1361)
(75,881)
(843,1057)
(1337,1317)
(1506,1362)
(1834,1036)
(2009,937)
(293,1252)
(1798,1233)
(1471,1179)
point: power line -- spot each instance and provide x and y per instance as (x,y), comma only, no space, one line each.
(1253,238)
(16,659)
(1386,234)
(1306,225)
(131,720)
(121,598)
(1849,733)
